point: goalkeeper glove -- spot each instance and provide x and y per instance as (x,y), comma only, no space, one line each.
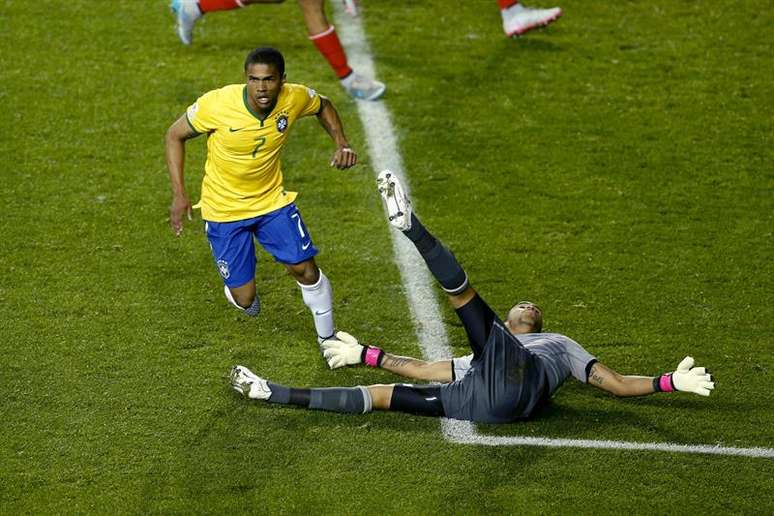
(345,350)
(685,378)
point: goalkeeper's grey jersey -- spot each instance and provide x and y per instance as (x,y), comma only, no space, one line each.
(559,355)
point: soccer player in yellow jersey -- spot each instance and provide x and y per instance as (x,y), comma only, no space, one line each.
(242,194)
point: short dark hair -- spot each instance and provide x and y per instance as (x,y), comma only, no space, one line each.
(266,55)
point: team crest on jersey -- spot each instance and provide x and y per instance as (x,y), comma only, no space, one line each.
(282,123)
(311,93)
(223,269)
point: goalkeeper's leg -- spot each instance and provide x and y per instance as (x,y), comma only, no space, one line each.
(475,314)
(419,400)
(440,260)
(354,400)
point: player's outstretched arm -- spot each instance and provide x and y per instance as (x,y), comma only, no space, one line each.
(685,378)
(416,369)
(174,141)
(346,350)
(344,157)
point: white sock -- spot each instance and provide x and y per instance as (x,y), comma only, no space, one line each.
(319,299)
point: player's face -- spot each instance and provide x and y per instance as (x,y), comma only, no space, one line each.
(525,317)
(263,86)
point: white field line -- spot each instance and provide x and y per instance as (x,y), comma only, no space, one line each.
(420,291)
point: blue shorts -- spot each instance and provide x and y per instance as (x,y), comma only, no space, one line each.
(281,232)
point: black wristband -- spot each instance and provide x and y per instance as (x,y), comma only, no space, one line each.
(656,386)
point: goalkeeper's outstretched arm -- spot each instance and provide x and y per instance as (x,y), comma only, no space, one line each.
(436,371)
(685,378)
(344,350)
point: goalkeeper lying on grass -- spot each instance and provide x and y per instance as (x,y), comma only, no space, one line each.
(513,370)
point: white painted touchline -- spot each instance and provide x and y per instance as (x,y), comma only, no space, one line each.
(420,290)
(462,436)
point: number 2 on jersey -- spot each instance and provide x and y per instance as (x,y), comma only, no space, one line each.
(259,143)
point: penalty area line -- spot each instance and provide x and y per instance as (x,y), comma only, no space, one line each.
(423,303)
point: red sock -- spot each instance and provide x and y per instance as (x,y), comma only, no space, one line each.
(328,44)
(504,4)
(206,6)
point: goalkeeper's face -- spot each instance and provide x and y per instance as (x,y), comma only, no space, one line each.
(525,317)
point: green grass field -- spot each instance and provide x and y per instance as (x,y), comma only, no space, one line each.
(616,168)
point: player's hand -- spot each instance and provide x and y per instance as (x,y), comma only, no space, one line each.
(343,350)
(344,157)
(180,206)
(692,379)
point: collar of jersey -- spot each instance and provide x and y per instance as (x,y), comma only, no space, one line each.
(255,113)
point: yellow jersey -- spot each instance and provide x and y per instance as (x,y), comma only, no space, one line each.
(242,175)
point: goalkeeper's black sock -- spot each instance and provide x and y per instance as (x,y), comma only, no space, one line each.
(441,262)
(354,400)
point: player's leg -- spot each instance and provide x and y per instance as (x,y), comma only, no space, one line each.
(474,313)
(188,11)
(353,400)
(440,260)
(317,293)
(519,19)
(284,235)
(233,250)
(242,296)
(477,318)
(324,37)
(418,400)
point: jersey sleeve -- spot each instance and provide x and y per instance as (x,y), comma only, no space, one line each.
(580,360)
(461,366)
(309,101)
(201,114)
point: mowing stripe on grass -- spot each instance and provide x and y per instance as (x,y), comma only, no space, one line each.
(383,150)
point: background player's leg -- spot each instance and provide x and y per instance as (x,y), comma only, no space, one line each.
(188,12)
(519,19)
(324,37)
